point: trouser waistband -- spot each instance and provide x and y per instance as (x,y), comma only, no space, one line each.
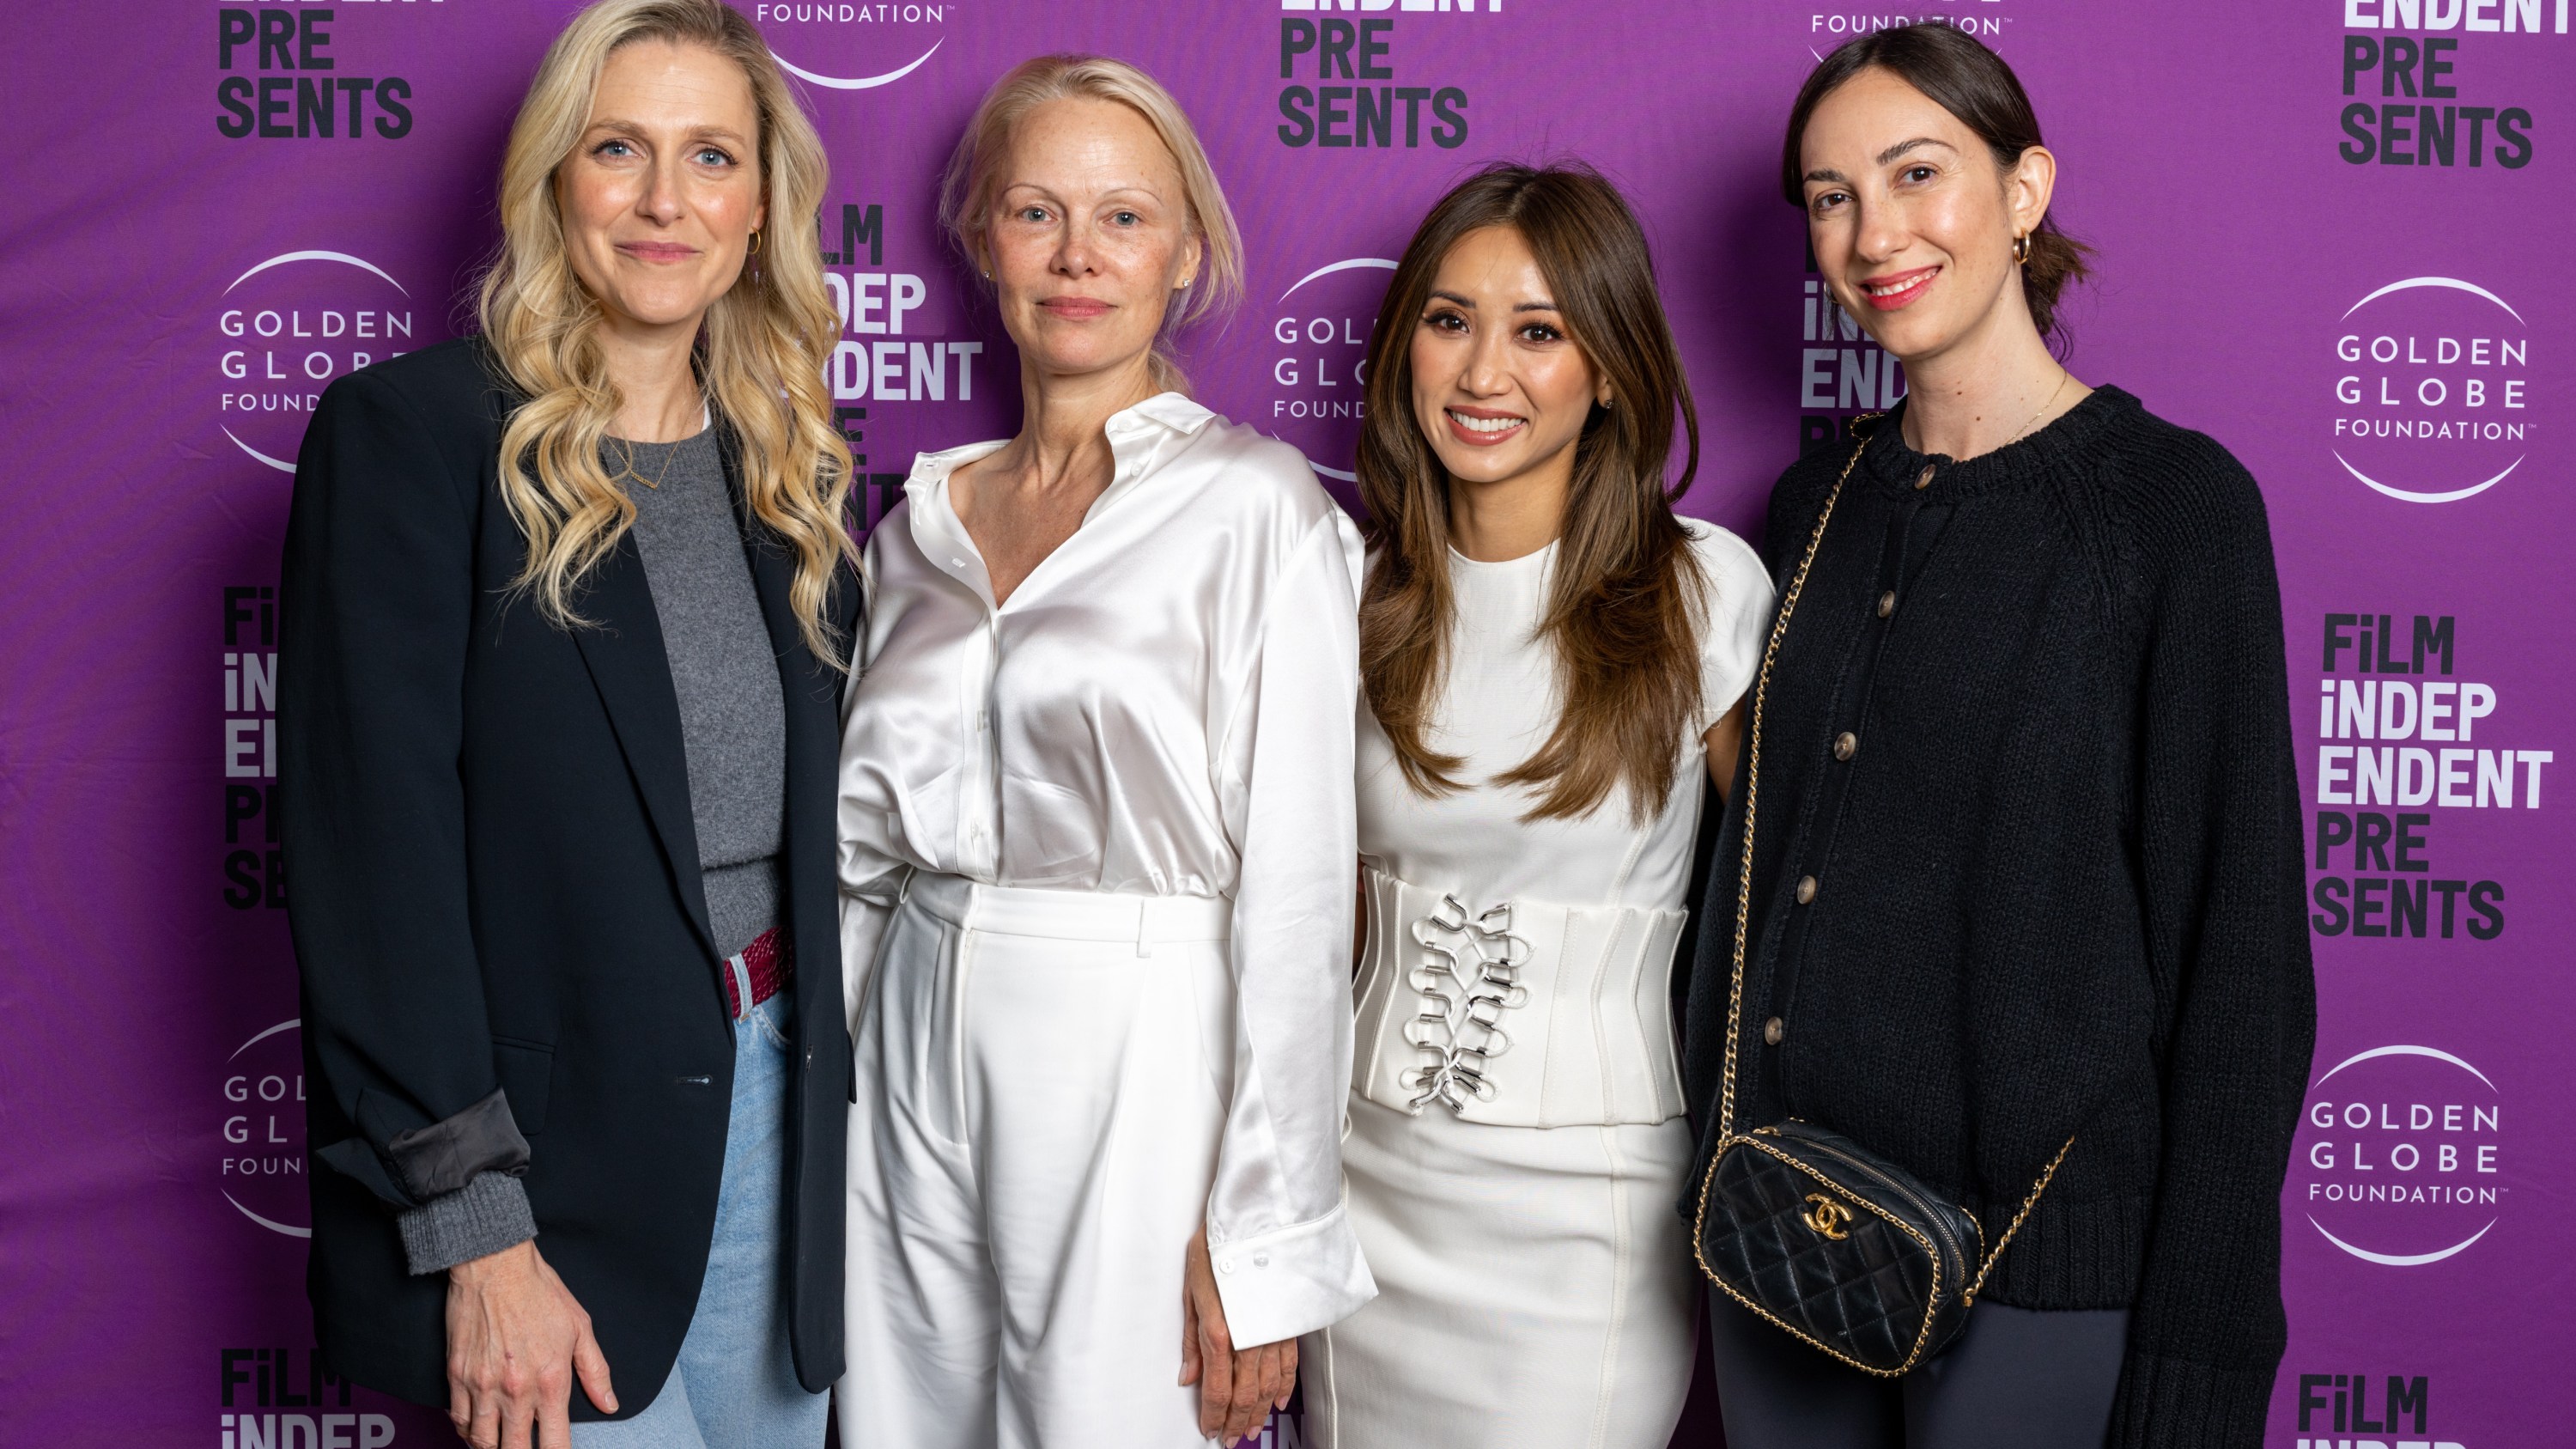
(1071,915)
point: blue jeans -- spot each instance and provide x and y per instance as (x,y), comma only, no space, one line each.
(734,1386)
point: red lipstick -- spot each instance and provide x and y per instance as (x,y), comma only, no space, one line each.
(1909,287)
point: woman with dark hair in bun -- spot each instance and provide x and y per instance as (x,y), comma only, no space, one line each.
(2024,823)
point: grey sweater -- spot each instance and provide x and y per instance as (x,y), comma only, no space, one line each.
(734,727)
(726,673)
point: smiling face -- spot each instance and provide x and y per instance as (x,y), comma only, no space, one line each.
(1089,241)
(660,196)
(1499,387)
(1911,222)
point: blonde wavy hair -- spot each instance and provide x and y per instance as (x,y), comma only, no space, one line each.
(967,192)
(761,355)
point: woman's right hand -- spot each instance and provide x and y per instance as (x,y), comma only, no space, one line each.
(1238,1387)
(516,1339)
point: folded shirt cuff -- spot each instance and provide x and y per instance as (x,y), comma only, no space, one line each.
(1291,1280)
(444,1156)
(489,1213)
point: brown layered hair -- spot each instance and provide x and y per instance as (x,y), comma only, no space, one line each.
(1960,75)
(1625,595)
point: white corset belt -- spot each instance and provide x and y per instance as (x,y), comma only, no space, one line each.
(1520,1013)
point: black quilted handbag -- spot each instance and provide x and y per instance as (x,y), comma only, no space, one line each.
(1806,1227)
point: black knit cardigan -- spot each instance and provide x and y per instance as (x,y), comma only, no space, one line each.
(2057,878)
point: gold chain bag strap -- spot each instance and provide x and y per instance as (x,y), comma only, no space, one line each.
(1823,1237)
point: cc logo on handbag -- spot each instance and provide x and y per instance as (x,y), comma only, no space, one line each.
(1827,1216)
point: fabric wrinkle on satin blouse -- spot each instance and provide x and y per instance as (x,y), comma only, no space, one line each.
(1163,707)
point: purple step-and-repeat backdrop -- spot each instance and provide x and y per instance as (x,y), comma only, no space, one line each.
(2323,228)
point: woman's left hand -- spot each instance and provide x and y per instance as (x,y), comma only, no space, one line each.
(1238,1387)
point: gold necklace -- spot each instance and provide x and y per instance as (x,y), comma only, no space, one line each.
(2063,378)
(654,482)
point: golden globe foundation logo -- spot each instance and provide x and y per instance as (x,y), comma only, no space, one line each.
(2432,396)
(1317,342)
(262,1164)
(2399,1156)
(844,45)
(285,328)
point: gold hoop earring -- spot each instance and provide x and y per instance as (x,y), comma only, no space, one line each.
(754,249)
(2021,248)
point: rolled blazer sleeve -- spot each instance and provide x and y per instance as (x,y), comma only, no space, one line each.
(1286,1257)
(377,598)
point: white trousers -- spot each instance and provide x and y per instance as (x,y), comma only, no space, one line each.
(1535,1288)
(1042,1078)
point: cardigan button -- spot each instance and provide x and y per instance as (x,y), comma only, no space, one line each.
(1924,480)
(1846,745)
(1887,603)
(1806,889)
(1772,1031)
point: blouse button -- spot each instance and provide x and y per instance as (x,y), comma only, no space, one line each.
(1846,745)
(1772,1031)
(1924,479)
(1806,889)
(1887,603)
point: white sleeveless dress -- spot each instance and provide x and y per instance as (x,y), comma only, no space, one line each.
(1517,1138)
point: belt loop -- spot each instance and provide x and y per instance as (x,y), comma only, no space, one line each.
(1145,926)
(738,972)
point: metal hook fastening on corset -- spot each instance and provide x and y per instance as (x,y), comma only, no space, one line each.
(1463,1035)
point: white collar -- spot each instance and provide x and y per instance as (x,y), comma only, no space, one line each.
(1128,429)
(1132,431)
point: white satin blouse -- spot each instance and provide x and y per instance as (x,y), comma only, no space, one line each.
(1164,707)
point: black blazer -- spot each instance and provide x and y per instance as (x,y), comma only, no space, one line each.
(494,885)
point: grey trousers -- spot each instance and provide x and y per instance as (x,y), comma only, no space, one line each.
(2016,1379)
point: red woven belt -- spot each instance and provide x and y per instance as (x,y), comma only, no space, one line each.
(761,969)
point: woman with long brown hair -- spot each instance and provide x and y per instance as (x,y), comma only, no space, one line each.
(1551,659)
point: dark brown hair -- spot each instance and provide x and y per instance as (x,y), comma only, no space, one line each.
(1624,595)
(1963,77)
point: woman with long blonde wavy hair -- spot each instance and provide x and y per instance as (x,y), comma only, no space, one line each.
(568,611)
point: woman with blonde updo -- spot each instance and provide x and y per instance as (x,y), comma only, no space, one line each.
(1096,833)
(568,610)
